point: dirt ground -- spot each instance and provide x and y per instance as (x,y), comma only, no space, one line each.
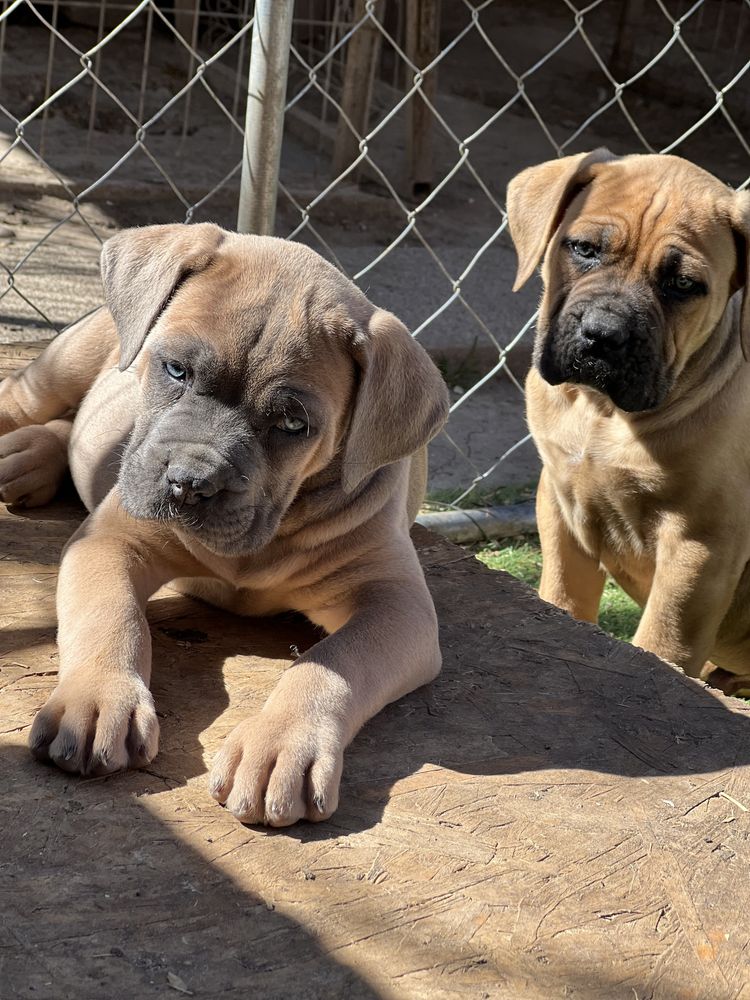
(558,815)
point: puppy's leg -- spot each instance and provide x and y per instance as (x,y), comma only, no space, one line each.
(692,590)
(55,383)
(101,717)
(33,460)
(571,579)
(36,404)
(286,763)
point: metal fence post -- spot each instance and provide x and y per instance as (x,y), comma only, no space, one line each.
(264,117)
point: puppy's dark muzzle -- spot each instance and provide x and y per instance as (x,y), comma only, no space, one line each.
(610,342)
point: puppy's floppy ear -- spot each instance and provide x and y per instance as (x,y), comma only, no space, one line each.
(740,220)
(537,200)
(401,403)
(141,269)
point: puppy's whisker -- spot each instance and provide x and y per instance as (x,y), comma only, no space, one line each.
(307,415)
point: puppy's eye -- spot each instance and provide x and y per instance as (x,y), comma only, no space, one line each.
(682,283)
(175,370)
(291,425)
(679,287)
(582,248)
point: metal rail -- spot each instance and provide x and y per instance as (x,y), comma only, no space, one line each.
(264,117)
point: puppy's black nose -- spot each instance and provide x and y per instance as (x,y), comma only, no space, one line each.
(188,489)
(604,330)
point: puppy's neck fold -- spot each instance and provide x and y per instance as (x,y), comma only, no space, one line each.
(322,512)
(702,380)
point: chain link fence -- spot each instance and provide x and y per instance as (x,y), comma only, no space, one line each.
(404,121)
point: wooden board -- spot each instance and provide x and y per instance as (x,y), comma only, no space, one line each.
(559,815)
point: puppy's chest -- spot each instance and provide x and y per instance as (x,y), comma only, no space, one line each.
(610,495)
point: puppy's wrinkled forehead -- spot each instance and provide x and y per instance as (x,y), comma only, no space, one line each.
(270,313)
(644,204)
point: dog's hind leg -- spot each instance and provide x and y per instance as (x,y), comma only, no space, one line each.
(37,405)
(33,461)
(54,384)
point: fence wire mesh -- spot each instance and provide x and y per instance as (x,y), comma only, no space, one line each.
(404,122)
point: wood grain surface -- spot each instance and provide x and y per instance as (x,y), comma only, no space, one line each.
(558,815)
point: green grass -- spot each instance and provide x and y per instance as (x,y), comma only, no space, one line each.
(522,558)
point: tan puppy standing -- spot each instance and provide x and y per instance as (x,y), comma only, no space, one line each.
(639,396)
(274,425)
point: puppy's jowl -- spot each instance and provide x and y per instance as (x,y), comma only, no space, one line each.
(271,425)
(639,397)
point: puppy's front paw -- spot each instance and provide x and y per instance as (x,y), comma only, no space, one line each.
(32,463)
(276,771)
(97,727)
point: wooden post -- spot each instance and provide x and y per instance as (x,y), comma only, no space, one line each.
(422,46)
(361,62)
